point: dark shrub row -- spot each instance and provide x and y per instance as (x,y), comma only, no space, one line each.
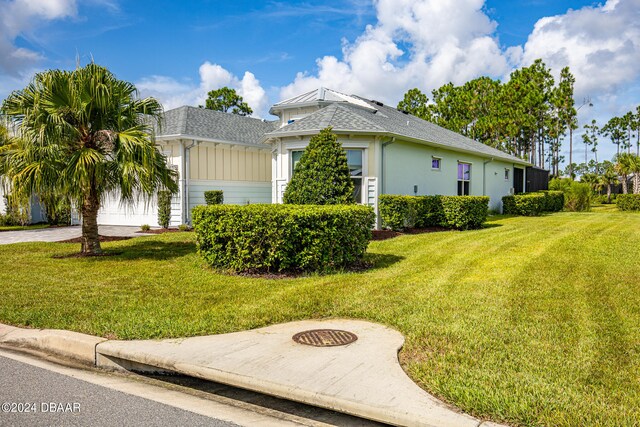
(214,197)
(628,202)
(462,212)
(164,208)
(533,204)
(275,238)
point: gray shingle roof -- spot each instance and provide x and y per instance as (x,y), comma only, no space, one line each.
(345,117)
(192,122)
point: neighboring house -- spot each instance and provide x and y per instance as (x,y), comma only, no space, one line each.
(210,150)
(390,151)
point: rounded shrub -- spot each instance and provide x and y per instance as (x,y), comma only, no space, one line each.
(276,238)
(532,204)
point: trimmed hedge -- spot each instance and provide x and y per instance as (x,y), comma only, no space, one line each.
(214,197)
(532,204)
(628,202)
(554,200)
(276,238)
(462,212)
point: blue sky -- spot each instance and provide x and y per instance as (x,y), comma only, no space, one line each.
(268,50)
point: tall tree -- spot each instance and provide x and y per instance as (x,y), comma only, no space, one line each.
(590,138)
(415,103)
(84,133)
(322,175)
(614,129)
(227,100)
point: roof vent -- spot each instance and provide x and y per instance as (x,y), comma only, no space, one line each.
(403,111)
(377,103)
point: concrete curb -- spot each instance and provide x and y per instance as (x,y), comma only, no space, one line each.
(416,407)
(74,345)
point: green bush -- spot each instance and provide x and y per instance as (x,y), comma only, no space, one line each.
(577,195)
(276,238)
(463,212)
(397,212)
(214,197)
(184,227)
(57,209)
(164,208)
(553,200)
(145,227)
(532,204)
(628,202)
(322,175)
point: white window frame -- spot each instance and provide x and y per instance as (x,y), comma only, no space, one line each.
(439,159)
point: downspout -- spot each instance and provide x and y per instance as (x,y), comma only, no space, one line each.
(484,176)
(186,217)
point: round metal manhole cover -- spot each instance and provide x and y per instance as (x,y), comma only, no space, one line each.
(325,337)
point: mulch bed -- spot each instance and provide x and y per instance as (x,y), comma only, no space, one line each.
(390,234)
(102,239)
(162,231)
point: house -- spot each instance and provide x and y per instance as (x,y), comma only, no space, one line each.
(390,151)
(210,150)
(252,160)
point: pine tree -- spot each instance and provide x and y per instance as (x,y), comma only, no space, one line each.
(322,176)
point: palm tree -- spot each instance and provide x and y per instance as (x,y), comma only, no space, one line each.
(634,167)
(623,169)
(609,177)
(84,133)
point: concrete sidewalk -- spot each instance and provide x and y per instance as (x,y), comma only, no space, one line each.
(57,234)
(362,378)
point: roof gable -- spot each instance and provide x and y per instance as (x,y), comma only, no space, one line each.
(192,122)
(319,97)
(381,119)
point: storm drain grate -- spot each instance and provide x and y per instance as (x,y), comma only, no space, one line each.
(325,337)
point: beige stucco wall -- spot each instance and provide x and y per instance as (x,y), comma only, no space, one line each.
(223,162)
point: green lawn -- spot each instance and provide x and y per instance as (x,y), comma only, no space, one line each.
(531,321)
(22,227)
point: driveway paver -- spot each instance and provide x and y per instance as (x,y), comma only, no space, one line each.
(57,234)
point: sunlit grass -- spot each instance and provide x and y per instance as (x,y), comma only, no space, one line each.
(531,321)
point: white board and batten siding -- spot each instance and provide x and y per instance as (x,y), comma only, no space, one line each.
(234,192)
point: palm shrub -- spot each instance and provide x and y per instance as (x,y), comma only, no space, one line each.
(577,195)
(164,208)
(322,175)
(84,133)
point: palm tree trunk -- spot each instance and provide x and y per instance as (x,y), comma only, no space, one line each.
(608,192)
(624,184)
(636,183)
(90,238)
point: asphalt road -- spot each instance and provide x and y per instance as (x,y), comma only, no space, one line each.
(33,396)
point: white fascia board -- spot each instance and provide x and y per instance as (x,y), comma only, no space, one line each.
(162,138)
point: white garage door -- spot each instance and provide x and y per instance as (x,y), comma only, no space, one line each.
(141,212)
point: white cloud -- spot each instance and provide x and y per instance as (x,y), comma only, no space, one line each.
(423,43)
(173,93)
(17,19)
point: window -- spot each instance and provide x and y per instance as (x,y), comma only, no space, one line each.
(354,160)
(295,158)
(506,174)
(464,178)
(435,163)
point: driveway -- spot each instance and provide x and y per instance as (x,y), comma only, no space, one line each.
(56,234)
